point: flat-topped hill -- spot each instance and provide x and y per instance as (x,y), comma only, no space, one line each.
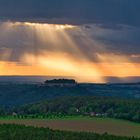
(61,82)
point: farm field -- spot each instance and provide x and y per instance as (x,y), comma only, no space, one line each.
(98,125)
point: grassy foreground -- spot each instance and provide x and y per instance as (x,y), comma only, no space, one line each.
(86,124)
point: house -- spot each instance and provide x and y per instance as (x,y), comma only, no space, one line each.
(92,114)
(14,114)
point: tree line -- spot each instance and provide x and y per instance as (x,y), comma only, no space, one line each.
(128,109)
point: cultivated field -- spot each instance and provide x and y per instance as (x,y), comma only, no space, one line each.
(99,125)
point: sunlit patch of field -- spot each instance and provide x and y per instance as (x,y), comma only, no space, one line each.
(99,125)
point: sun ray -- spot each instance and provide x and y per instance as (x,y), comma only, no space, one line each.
(55,49)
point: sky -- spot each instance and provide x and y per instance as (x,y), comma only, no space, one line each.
(88,39)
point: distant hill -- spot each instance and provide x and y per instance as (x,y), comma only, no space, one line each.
(54,81)
(20,94)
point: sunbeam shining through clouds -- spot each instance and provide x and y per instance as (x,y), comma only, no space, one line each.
(88,52)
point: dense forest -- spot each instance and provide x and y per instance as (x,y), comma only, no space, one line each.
(21,132)
(128,109)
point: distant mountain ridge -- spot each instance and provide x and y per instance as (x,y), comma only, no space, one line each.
(40,79)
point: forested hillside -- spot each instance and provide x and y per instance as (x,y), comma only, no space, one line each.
(20,94)
(128,109)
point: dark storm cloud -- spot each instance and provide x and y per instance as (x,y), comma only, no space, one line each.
(72,11)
